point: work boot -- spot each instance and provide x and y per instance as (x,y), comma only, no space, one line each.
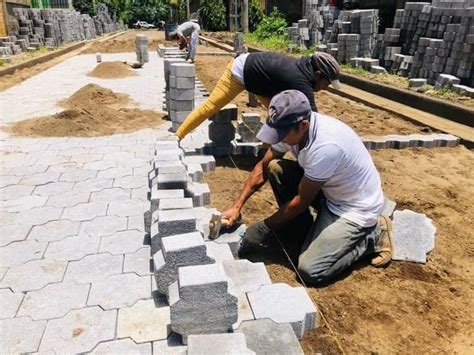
(384,246)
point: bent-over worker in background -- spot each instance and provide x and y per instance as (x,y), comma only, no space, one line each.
(187,35)
(334,173)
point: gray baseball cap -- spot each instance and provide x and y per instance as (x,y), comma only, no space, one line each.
(286,109)
(328,65)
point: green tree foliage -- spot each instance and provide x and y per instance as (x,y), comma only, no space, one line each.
(212,15)
(255,14)
(84,6)
(273,25)
(147,11)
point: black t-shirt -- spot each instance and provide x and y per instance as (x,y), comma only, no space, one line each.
(266,74)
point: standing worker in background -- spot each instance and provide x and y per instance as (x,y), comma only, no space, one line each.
(265,75)
(187,34)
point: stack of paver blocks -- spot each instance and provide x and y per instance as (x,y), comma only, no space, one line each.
(30,29)
(181,92)
(222,131)
(200,278)
(141,43)
(348,47)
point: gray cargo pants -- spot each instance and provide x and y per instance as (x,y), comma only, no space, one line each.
(333,243)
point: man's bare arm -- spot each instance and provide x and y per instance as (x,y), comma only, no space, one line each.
(307,192)
(256,180)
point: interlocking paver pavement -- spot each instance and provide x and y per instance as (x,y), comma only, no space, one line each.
(71,234)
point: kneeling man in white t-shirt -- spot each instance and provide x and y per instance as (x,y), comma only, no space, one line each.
(334,173)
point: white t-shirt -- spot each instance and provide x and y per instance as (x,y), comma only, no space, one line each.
(335,154)
(238,67)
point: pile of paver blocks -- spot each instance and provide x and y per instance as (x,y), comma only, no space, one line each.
(411,141)
(141,44)
(30,29)
(216,303)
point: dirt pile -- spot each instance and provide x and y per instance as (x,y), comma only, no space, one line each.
(111,70)
(125,43)
(90,112)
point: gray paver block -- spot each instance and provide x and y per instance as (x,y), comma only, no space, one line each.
(207,162)
(115,173)
(195,172)
(13,339)
(413,236)
(219,252)
(175,203)
(178,251)
(122,346)
(136,223)
(95,184)
(203,294)
(54,231)
(172,181)
(13,233)
(227,114)
(78,175)
(157,194)
(94,268)
(39,215)
(245,276)
(122,242)
(103,226)
(69,198)
(200,193)
(72,248)
(53,188)
(119,291)
(23,203)
(127,208)
(85,211)
(138,262)
(266,337)
(173,222)
(34,275)
(182,70)
(54,300)
(284,304)
(10,302)
(170,346)
(232,238)
(79,331)
(109,195)
(130,182)
(144,322)
(15,191)
(231,344)
(18,253)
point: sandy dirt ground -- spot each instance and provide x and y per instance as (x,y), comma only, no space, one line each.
(407,306)
(90,112)
(112,70)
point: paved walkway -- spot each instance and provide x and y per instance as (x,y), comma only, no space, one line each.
(74,259)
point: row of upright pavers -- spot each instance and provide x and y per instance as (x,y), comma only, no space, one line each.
(201,279)
(411,141)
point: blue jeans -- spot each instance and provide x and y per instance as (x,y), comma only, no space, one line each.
(333,243)
(192,45)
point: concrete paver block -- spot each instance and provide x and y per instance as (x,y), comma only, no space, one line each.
(69,198)
(130,182)
(284,304)
(122,242)
(144,322)
(85,211)
(182,70)
(34,275)
(138,262)
(195,172)
(231,344)
(54,231)
(127,208)
(232,238)
(119,291)
(109,195)
(172,181)
(218,252)
(207,162)
(94,268)
(177,251)
(37,216)
(175,203)
(95,184)
(413,236)
(23,203)
(14,191)
(72,248)
(388,208)
(78,175)
(54,301)
(245,276)
(170,346)
(18,253)
(79,331)
(103,226)
(157,194)
(173,222)
(200,193)
(203,294)
(13,233)
(54,188)
(122,346)
(10,302)
(267,337)
(13,339)
(227,114)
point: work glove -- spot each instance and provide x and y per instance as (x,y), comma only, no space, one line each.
(256,233)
